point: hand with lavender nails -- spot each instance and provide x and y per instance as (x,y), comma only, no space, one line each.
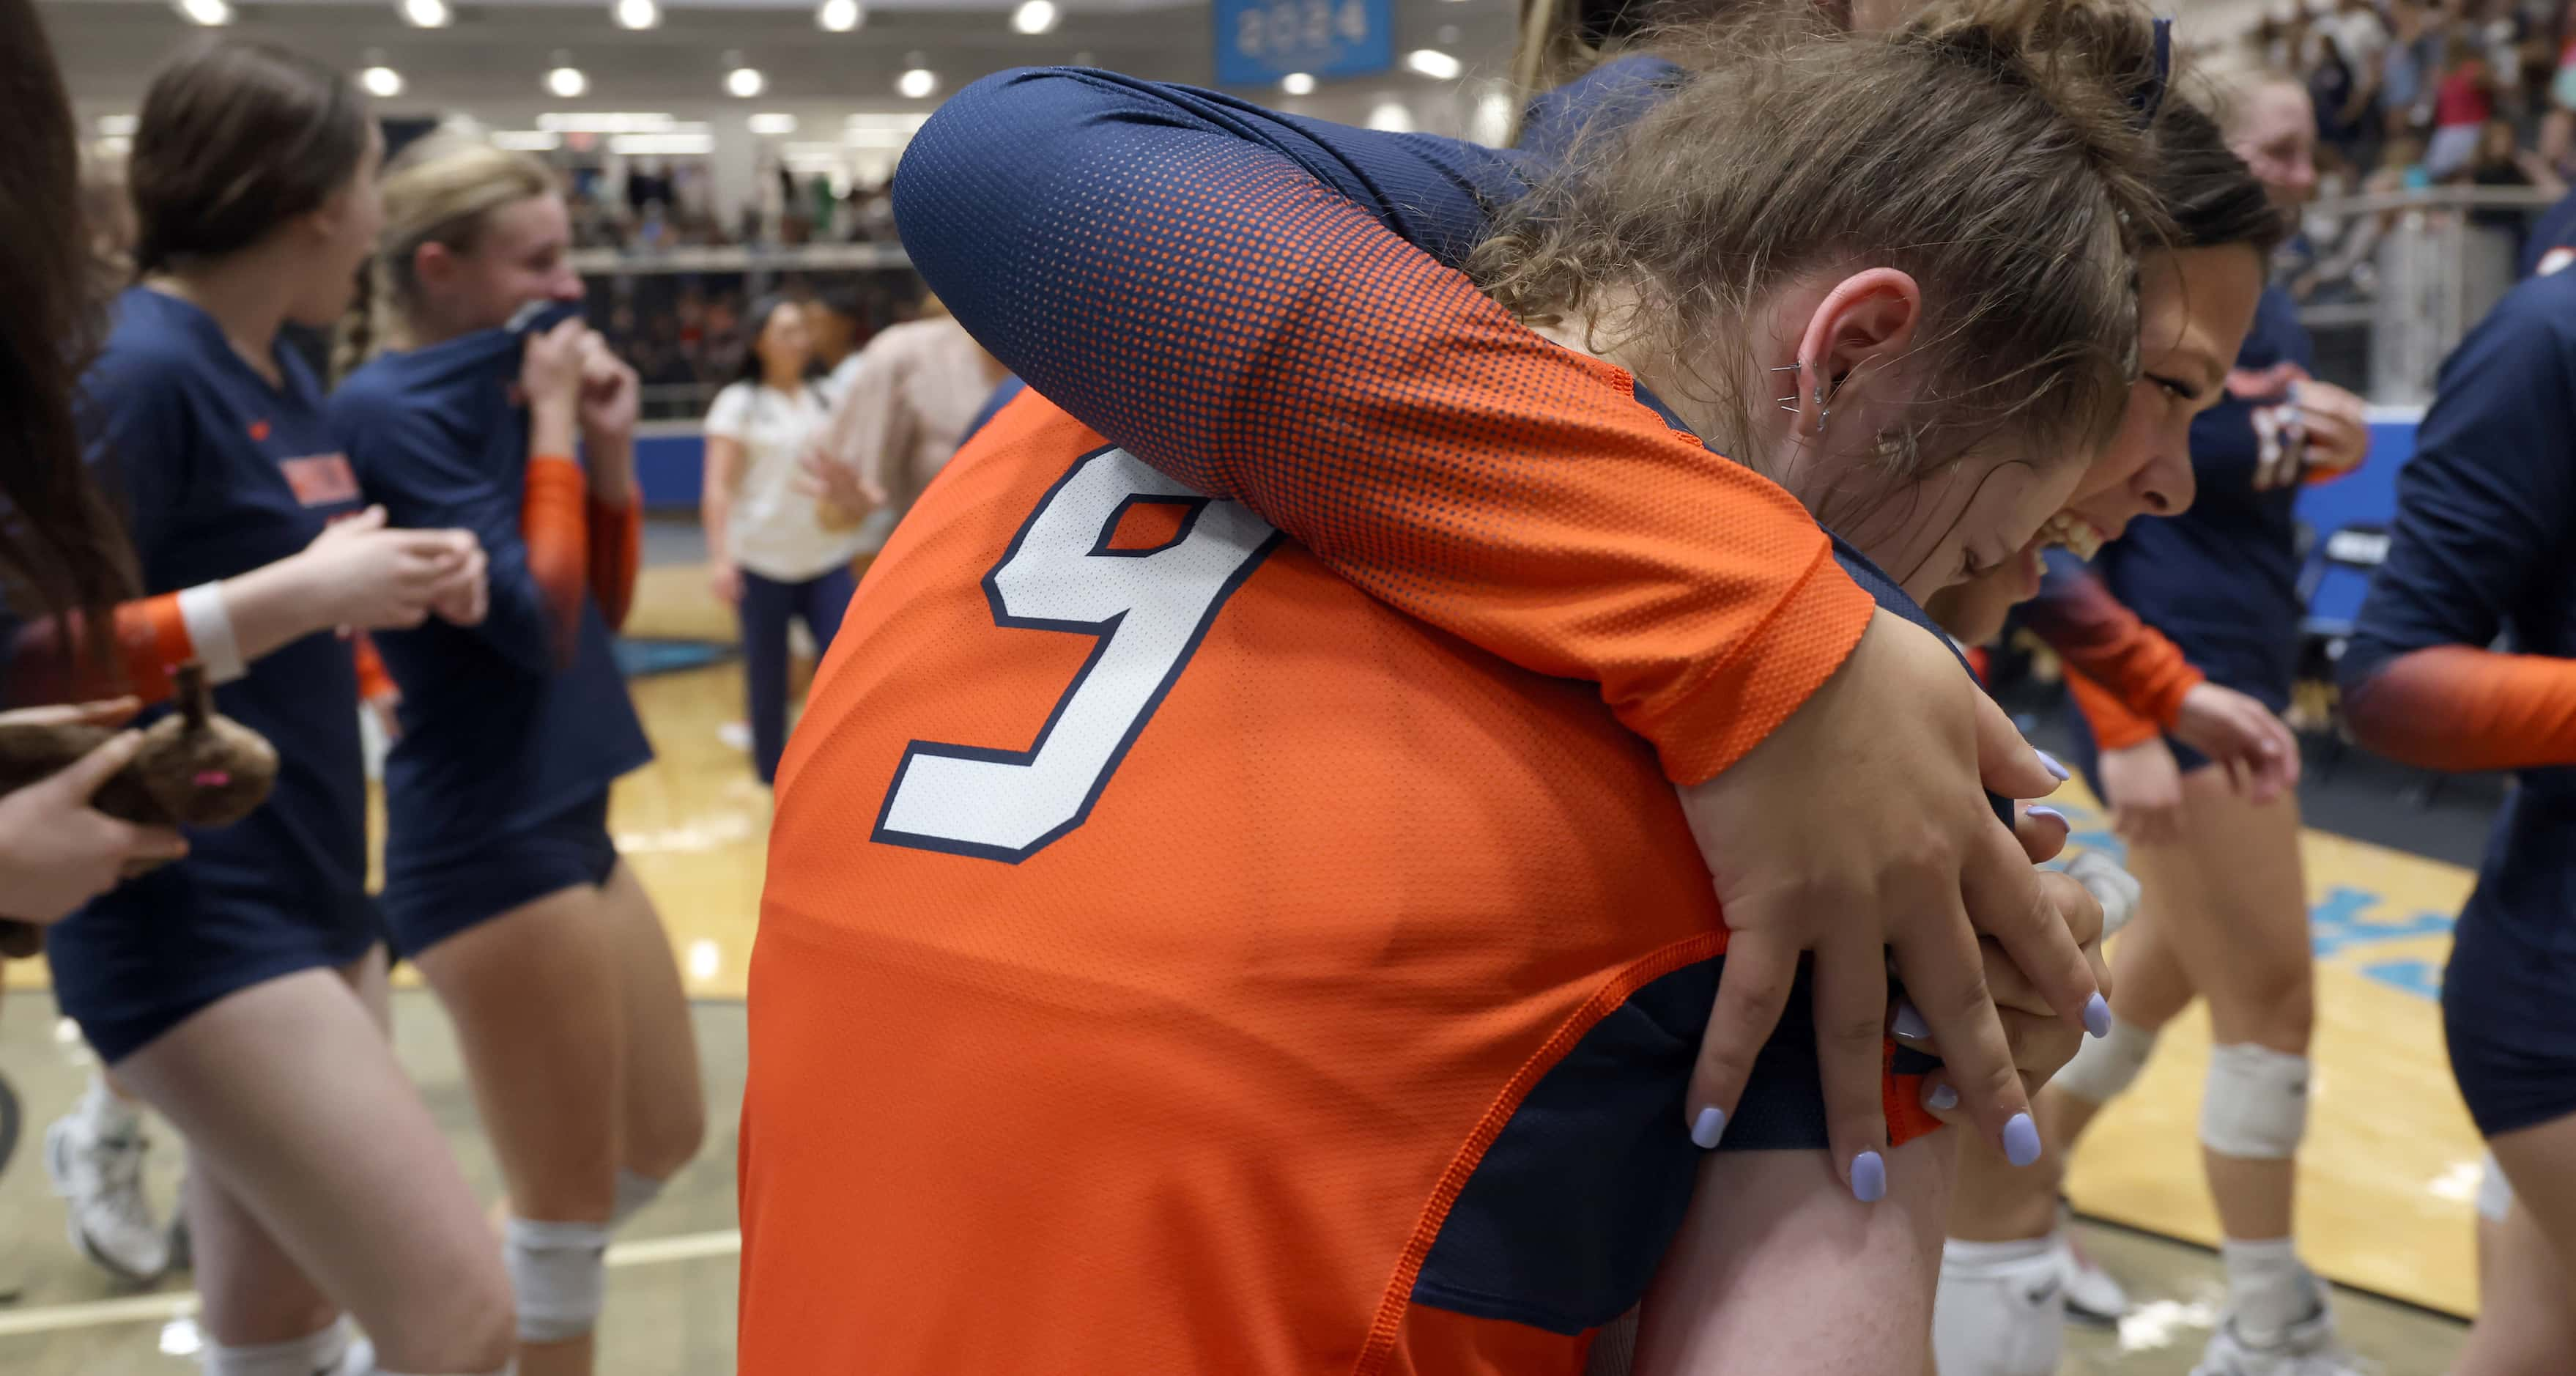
(2041,1041)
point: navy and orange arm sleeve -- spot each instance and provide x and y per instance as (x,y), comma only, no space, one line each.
(554,520)
(2114,723)
(2129,672)
(1230,295)
(616,556)
(2485,511)
(48,663)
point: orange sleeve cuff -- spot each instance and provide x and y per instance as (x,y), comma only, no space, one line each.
(554,522)
(51,665)
(616,554)
(2461,708)
(2115,725)
(375,682)
(1714,721)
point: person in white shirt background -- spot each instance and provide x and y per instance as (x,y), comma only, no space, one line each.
(775,552)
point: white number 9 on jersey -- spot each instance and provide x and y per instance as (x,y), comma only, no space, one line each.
(1147,607)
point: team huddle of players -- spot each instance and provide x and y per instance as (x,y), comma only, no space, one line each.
(1410,805)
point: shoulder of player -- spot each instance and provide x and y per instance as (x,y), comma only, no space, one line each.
(2538,313)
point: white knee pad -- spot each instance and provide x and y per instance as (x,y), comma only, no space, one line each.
(2255,1102)
(319,1351)
(2000,1309)
(2104,1066)
(559,1273)
(2495,1193)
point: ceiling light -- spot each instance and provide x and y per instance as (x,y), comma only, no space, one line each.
(840,16)
(1034,16)
(526,140)
(118,126)
(1433,63)
(384,83)
(773,124)
(207,12)
(567,83)
(745,82)
(427,14)
(917,83)
(1297,84)
(1391,117)
(636,14)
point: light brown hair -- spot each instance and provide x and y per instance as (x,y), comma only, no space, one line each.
(441,190)
(1989,148)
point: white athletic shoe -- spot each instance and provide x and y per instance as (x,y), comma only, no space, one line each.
(2000,1319)
(735,735)
(2114,888)
(2092,1296)
(2308,1349)
(100,1178)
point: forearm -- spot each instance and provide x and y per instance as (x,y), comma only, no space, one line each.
(2128,662)
(609,462)
(2459,708)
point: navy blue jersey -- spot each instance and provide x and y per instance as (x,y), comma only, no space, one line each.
(1608,97)
(1003,394)
(2553,232)
(2485,545)
(496,738)
(220,473)
(2222,578)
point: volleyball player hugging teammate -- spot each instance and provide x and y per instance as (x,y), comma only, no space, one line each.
(1119,919)
(241,990)
(501,881)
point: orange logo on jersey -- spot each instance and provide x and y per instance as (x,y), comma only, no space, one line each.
(321,479)
(259,432)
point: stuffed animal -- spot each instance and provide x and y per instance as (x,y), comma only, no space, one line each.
(196,768)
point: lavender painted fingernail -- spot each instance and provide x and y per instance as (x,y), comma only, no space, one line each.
(1869,1178)
(2097,1016)
(1908,1024)
(2053,766)
(2021,1140)
(1942,1099)
(1708,1127)
(2053,815)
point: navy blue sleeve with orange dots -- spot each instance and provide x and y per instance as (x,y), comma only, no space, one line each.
(1230,294)
(2484,543)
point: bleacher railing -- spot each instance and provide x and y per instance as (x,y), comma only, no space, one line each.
(2407,274)
(2434,262)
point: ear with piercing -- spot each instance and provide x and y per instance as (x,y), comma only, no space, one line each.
(1823,397)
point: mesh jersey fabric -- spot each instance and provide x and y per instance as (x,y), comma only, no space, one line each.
(1167,951)
(1237,297)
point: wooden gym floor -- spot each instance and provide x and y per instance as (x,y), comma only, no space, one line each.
(2385,1188)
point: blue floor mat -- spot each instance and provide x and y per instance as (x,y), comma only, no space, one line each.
(643,658)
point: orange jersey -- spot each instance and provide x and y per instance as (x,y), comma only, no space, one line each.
(1174,959)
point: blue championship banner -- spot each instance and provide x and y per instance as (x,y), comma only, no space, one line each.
(1260,41)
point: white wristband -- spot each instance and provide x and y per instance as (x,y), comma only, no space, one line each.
(210,630)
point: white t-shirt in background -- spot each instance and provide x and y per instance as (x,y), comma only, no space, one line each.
(776,531)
